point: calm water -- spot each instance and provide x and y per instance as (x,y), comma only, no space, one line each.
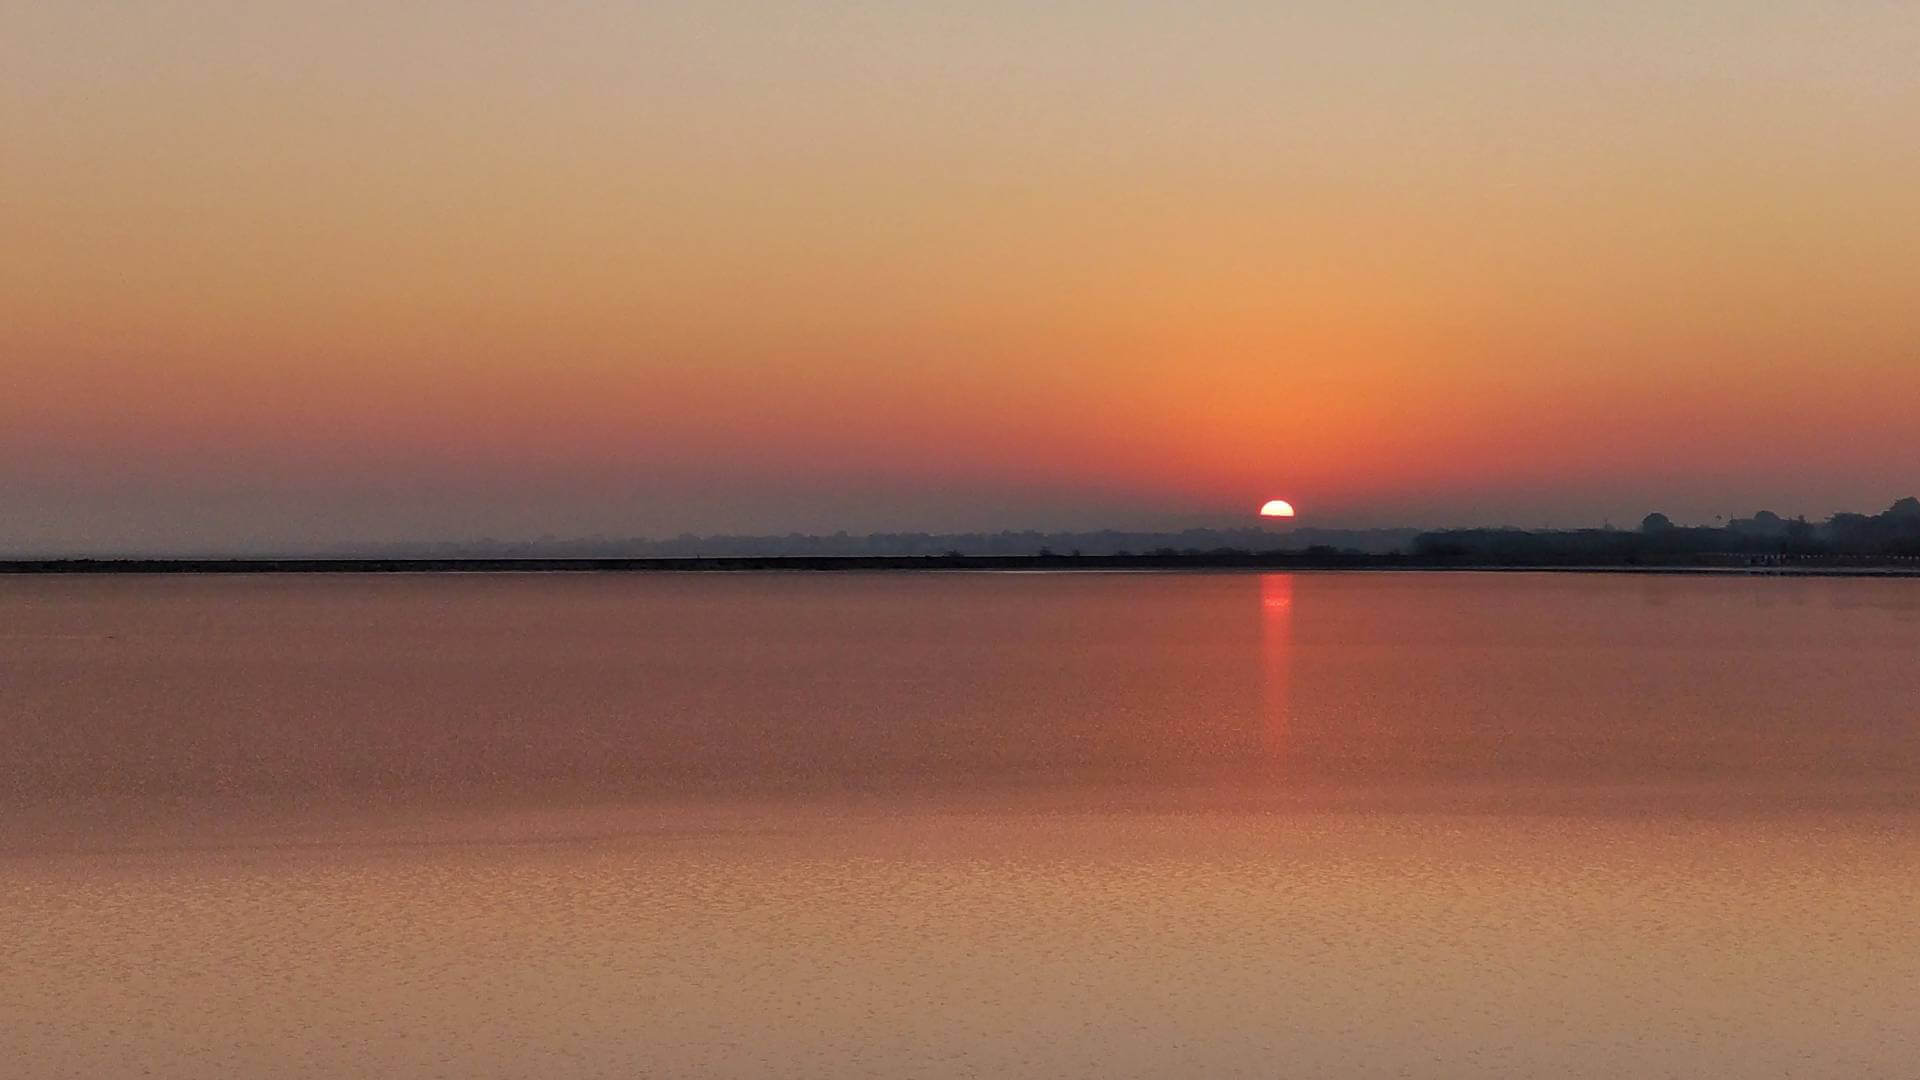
(1103,825)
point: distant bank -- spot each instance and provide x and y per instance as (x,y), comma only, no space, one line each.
(1829,565)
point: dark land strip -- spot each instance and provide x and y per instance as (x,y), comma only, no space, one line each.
(1815,565)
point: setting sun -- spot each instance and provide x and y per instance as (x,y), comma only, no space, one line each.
(1277,508)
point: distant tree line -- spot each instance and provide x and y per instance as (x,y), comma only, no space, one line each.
(1894,532)
(1028,542)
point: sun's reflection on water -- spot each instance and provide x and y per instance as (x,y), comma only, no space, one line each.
(1276,662)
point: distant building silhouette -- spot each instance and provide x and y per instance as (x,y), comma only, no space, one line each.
(1893,532)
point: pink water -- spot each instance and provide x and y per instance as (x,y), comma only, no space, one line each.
(1105,825)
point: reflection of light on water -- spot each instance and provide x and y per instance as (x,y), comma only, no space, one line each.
(1276,593)
(1276,655)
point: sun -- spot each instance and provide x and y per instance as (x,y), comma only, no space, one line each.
(1277,508)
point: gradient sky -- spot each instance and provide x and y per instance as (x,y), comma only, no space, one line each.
(302,273)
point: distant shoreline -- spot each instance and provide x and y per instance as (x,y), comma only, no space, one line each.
(1796,566)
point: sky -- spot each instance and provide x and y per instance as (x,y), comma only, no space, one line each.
(295,274)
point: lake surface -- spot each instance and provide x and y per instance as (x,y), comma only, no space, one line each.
(948,825)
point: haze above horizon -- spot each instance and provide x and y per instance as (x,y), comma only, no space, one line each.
(285,275)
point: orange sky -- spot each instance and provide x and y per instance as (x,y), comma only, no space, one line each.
(304,273)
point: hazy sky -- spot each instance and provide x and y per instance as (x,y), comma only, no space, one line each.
(282,273)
